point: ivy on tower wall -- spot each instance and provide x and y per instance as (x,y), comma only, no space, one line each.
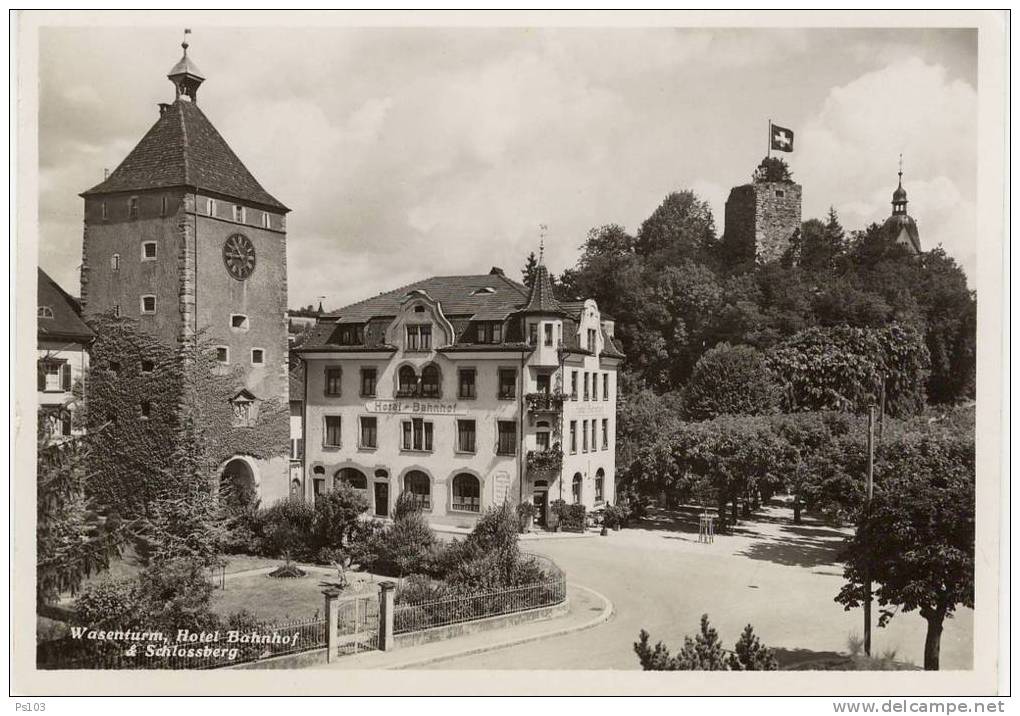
(190,427)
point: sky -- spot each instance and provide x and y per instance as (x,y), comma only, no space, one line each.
(411,152)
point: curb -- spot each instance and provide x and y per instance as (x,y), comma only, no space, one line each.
(608,609)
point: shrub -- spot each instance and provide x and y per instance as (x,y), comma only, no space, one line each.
(287,529)
(571,517)
(336,516)
(525,511)
(405,504)
(110,604)
(705,653)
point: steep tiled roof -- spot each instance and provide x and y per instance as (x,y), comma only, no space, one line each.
(489,296)
(465,301)
(66,323)
(184,149)
(541,298)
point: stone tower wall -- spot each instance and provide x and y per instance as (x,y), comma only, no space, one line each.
(761,219)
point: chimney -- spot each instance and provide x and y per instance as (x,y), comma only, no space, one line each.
(163,107)
(496,271)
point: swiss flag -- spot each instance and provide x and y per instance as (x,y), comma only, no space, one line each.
(782,138)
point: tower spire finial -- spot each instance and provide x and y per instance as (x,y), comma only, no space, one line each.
(185,75)
(542,229)
(901,169)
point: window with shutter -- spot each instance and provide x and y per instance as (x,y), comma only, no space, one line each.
(65,376)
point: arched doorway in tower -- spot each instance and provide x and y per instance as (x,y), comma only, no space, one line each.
(237,483)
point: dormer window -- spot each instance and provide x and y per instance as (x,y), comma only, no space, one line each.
(419,309)
(490,332)
(45,312)
(483,291)
(352,335)
(419,337)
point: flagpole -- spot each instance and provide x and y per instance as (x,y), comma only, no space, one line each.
(769,155)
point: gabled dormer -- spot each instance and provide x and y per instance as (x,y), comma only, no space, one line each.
(420,326)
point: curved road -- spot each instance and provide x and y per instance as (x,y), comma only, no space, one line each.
(779,577)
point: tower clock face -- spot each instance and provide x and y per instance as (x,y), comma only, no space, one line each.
(239,256)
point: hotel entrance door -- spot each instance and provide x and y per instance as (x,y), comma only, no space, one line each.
(382,499)
(541,502)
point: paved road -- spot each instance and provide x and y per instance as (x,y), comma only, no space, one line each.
(779,577)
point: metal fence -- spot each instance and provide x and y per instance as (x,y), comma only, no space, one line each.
(252,642)
(471,606)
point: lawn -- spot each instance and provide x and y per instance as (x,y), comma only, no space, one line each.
(276,600)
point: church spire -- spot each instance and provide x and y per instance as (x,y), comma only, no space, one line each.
(899,197)
(185,74)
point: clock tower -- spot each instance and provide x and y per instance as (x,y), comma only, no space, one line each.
(183,240)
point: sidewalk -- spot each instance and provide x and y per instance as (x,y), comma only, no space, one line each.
(587,608)
(534,535)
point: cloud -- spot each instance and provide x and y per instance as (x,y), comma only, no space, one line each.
(849,151)
(412,152)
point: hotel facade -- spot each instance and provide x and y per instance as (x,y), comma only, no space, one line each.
(465,391)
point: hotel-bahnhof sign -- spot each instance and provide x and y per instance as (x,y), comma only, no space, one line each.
(413,407)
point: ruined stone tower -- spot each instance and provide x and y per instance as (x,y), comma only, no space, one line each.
(762,217)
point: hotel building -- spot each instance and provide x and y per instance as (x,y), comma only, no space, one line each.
(465,391)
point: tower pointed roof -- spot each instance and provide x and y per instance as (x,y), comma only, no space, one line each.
(541,298)
(183,149)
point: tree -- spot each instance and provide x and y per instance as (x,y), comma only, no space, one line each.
(528,272)
(681,227)
(773,169)
(336,516)
(842,368)
(705,653)
(72,541)
(729,380)
(916,542)
(751,655)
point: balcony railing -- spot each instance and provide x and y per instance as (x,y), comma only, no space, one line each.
(548,460)
(545,402)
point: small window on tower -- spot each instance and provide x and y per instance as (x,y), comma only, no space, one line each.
(148,304)
(239,322)
(103,209)
(133,207)
(265,219)
(258,356)
(780,193)
(147,366)
(210,207)
(146,409)
(148,251)
(115,262)
(116,310)
(222,354)
(162,206)
(239,213)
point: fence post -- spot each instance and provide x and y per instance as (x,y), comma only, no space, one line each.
(387,595)
(332,610)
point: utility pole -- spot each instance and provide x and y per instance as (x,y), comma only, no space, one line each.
(869,484)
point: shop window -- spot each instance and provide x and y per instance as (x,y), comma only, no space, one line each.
(418,485)
(466,493)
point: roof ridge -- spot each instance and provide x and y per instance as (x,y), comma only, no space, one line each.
(184,134)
